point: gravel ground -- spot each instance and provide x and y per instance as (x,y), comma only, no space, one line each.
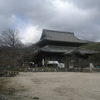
(53,86)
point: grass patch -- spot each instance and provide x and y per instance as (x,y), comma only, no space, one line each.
(9,90)
(3,83)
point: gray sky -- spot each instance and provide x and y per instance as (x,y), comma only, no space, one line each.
(32,16)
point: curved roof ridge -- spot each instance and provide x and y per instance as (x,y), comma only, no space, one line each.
(58,31)
(60,36)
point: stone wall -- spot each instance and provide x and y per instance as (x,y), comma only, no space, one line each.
(46,69)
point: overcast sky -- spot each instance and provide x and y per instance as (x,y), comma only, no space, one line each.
(32,16)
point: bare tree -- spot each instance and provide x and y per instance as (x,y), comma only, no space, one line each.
(10,47)
(79,62)
(10,38)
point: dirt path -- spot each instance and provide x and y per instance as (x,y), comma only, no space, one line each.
(55,86)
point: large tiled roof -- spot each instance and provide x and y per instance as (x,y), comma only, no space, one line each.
(60,36)
(59,49)
(66,50)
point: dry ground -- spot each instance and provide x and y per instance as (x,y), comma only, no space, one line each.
(54,86)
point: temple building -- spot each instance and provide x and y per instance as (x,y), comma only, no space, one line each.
(54,45)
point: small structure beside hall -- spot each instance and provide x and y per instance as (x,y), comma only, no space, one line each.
(54,45)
